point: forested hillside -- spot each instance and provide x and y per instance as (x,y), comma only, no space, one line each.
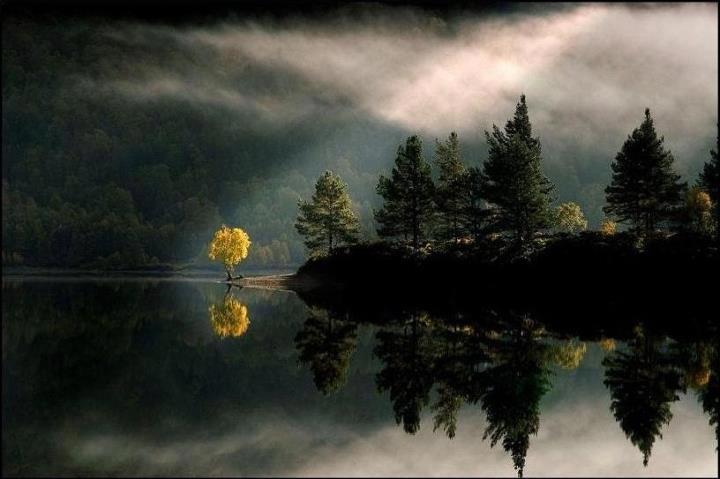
(95,178)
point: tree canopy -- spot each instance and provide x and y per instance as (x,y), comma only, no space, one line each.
(514,184)
(328,219)
(408,194)
(229,246)
(645,191)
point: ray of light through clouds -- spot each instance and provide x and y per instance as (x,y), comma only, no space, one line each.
(588,71)
(584,69)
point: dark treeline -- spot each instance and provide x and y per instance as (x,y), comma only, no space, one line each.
(494,227)
(509,199)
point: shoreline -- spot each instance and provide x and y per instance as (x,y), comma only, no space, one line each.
(185,272)
(289,281)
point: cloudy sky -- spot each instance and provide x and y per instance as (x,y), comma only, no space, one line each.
(588,70)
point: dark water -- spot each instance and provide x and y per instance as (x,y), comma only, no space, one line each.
(177,377)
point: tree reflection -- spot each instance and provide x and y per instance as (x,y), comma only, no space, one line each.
(407,356)
(326,344)
(503,361)
(643,383)
(229,319)
(710,392)
(513,386)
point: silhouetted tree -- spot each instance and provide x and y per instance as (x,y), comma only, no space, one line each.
(710,182)
(328,220)
(645,190)
(326,344)
(452,190)
(514,185)
(643,382)
(476,211)
(408,195)
(407,369)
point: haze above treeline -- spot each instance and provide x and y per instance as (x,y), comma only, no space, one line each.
(128,143)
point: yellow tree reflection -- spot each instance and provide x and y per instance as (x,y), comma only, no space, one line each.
(229,319)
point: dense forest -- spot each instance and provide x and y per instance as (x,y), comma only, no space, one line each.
(92,180)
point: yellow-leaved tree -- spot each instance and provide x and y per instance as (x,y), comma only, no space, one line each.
(229,246)
(608,227)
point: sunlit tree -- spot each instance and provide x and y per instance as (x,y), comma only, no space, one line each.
(710,182)
(698,210)
(229,246)
(328,220)
(607,344)
(229,319)
(608,227)
(569,218)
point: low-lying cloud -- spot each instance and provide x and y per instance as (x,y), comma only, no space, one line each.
(588,71)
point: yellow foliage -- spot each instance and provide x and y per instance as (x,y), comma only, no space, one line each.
(607,344)
(608,227)
(698,200)
(231,319)
(229,246)
(569,355)
(697,378)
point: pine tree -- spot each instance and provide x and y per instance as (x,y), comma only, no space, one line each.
(513,183)
(452,190)
(475,210)
(328,220)
(408,195)
(710,182)
(645,190)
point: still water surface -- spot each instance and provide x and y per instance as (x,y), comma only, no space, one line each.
(182,377)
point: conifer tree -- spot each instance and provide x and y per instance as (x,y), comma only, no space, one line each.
(328,220)
(514,185)
(452,190)
(645,190)
(710,182)
(475,211)
(408,195)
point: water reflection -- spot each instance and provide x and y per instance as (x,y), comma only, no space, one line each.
(230,318)
(505,361)
(122,377)
(325,344)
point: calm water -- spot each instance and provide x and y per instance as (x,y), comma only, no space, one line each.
(179,377)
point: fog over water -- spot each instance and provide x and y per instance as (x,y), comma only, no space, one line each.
(578,436)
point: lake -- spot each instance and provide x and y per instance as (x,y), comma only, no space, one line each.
(181,376)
